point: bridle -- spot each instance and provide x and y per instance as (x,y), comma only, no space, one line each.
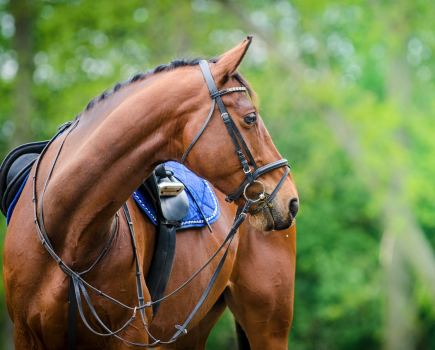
(77,284)
(251,177)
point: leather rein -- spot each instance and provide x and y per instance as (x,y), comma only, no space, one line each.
(77,285)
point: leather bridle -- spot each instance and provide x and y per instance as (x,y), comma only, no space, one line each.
(236,136)
(78,285)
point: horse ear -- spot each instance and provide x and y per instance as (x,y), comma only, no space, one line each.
(230,61)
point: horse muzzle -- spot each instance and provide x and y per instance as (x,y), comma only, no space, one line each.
(274,216)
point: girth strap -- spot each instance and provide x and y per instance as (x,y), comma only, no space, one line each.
(162,263)
(72,316)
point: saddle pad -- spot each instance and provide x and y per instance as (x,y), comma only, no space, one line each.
(14,202)
(200,188)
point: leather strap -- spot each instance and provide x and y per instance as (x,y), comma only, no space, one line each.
(72,316)
(236,136)
(161,265)
(240,217)
(199,133)
(139,286)
(275,191)
(256,174)
(215,94)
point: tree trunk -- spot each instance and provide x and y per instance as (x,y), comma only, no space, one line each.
(22,99)
(22,94)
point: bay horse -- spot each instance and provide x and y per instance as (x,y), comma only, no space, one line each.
(120,139)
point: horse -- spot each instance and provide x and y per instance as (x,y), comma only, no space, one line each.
(111,149)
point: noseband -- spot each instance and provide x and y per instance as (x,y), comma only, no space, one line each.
(78,285)
(236,136)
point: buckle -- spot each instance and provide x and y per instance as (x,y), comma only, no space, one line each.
(248,172)
(170,189)
(183,330)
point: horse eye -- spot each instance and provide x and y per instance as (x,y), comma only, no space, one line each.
(250,118)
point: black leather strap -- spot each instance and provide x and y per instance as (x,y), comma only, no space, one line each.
(275,191)
(240,217)
(215,94)
(232,130)
(256,174)
(139,286)
(246,169)
(236,136)
(199,133)
(161,265)
(72,316)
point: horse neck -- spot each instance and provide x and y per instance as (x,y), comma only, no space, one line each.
(106,158)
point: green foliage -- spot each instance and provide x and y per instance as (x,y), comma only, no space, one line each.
(368,62)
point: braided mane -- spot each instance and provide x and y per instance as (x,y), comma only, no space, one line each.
(163,68)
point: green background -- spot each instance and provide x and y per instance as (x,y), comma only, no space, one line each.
(346,92)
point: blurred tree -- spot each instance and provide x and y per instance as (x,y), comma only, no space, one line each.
(22,43)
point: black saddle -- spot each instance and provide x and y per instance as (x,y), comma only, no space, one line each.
(168,195)
(15,169)
(171,205)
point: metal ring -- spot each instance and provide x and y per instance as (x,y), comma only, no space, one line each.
(261,195)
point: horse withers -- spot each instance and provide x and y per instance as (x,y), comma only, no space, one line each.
(111,148)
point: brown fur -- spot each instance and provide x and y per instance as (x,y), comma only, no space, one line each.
(113,149)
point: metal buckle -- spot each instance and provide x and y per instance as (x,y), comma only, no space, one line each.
(248,172)
(261,196)
(170,189)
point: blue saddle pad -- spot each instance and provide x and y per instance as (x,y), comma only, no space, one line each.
(200,188)
(14,202)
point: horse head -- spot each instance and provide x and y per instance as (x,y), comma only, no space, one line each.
(214,157)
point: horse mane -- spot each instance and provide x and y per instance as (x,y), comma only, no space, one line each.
(177,63)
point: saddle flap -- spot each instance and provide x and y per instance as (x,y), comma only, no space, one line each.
(173,207)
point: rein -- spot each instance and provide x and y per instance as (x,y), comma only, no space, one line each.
(77,285)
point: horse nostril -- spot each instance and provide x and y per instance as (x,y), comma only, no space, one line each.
(294,207)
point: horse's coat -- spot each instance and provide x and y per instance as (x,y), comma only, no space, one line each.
(116,145)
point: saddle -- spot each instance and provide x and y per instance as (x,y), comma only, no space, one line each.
(167,194)
(172,205)
(14,171)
